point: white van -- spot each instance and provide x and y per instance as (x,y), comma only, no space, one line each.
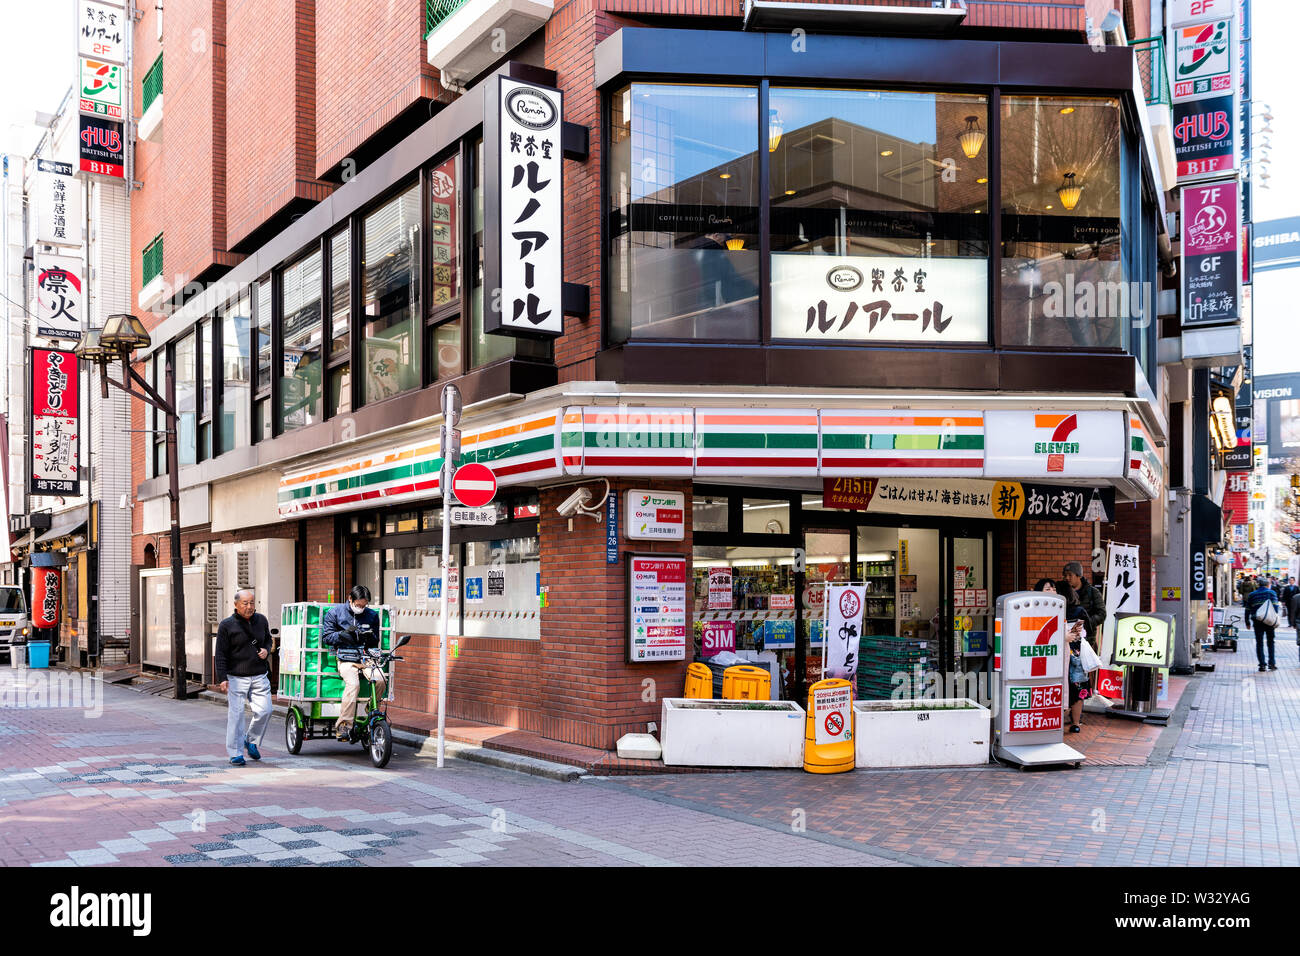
(15,626)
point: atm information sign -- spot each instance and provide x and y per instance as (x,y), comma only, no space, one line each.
(1031,709)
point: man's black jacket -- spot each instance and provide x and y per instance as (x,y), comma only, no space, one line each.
(238,642)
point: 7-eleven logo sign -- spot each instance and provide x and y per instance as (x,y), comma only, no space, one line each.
(1034,648)
(1043,646)
(1060,427)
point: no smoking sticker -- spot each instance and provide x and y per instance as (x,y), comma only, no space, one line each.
(832,714)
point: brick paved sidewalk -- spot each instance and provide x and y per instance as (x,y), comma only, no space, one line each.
(1220,788)
(147,782)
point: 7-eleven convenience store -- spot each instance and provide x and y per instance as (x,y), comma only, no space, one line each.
(938,509)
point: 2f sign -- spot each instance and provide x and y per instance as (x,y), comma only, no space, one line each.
(1183,10)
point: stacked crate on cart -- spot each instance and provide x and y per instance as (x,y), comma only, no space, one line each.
(309,671)
(881,657)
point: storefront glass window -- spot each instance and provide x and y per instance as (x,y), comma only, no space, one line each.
(501,587)
(709,514)
(758,581)
(683,208)
(264,334)
(300,383)
(444,238)
(390,293)
(203,359)
(413,582)
(484,348)
(340,291)
(401,522)
(1062,278)
(186,400)
(765,516)
(234,373)
(891,188)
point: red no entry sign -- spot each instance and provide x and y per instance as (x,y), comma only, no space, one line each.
(474,485)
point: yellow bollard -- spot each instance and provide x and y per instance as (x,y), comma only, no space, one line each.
(743,682)
(699,682)
(830,727)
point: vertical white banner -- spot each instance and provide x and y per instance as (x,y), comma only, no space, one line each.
(1123,591)
(844,607)
(59,297)
(531,164)
(58,204)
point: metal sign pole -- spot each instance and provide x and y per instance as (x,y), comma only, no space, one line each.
(451,418)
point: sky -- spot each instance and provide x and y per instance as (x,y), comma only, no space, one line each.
(38,63)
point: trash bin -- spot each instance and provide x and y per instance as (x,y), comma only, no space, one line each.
(38,654)
(743,682)
(17,655)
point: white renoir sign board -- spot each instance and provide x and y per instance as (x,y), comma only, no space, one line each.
(525,258)
(879,298)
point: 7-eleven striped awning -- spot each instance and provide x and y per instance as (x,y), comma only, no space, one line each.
(519,451)
(890,442)
(689,442)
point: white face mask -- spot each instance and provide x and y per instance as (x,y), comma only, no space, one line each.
(356,610)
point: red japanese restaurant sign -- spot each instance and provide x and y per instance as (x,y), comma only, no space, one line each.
(55,423)
(47,592)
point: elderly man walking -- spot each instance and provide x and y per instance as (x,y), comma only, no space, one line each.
(243,646)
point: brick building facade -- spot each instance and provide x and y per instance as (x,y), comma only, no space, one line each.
(312,142)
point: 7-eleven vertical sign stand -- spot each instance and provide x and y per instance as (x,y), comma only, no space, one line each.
(1032,658)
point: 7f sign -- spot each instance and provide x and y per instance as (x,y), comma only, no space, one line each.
(524,255)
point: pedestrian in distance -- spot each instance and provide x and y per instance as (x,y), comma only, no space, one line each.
(1089,596)
(243,646)
(1047,585)
(1262,611)
(1076,623)
(349,629)
(1244,587)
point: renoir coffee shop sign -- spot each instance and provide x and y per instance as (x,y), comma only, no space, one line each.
(1210,275)
(523,244)
(879,299)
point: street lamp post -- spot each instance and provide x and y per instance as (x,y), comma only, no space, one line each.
(122,334)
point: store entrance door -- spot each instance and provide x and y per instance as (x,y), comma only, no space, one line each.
(967,577)
(830,560)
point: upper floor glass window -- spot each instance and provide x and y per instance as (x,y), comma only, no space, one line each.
(263,335)
(1061,270)
(683,199)
(484,349)
(186,399)
(390,295)
(879,215)
(300,384)
(340,292)
(235,330)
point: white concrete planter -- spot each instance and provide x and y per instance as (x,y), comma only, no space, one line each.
(921,733)
(732,733)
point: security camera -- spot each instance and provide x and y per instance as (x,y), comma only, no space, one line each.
(574,503)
